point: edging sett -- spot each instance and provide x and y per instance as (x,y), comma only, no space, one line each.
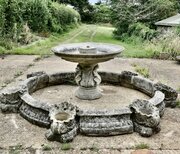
(89,122)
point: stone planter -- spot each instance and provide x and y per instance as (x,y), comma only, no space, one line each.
(63,124)
(146,117)
(170,94)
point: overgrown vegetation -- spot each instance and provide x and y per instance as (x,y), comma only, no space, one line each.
(141,70)
(169,43)
(45,21)
(19,19)
(84,33)
(125,13)
(134,22)
(101,14)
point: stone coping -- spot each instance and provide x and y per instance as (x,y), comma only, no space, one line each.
(178,58)
(91,122)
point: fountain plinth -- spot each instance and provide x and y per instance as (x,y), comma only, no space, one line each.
(87,55)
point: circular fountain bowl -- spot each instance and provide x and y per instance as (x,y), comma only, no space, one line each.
(87,53)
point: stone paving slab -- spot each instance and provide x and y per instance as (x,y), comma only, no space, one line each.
(13,66)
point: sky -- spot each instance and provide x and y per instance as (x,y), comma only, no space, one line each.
(93,1)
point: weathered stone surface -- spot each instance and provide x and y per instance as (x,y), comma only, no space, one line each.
(36,82)
(35,74)
(35,115)
(63,124)
(113,78)
(115,112)
(170,94)
(87,76)
(126,79)
(142,151)
(63,138)
(146,131)
(143,84)
(88,80)
(62,78)
(158,101)
(103,123)
(10,100)
(178,58)
(145,117)
(69,136)
(145,113)
(28,99)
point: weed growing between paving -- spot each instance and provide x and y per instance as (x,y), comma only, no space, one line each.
(142,146)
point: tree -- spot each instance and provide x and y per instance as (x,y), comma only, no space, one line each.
(126,12)
(82,6)
(102,14)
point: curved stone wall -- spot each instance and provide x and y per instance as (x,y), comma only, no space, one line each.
(88,122)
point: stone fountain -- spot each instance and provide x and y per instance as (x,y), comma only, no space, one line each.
(65,119)
(87,55)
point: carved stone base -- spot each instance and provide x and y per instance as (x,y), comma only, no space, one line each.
(88,93)
(146,131)
(63,138)
(88,80)
(63,124)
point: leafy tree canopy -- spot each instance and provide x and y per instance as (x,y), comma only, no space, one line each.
(126,12)
(83,6)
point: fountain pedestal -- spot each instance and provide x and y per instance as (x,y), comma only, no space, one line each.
(88,56)
(88,80)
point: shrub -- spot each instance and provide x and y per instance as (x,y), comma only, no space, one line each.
(125,13)
(169,43)
(6,43)
(2,50)
(11,11)
(141,30)
(37,14)
(102,14)
(15,13)
(61,17)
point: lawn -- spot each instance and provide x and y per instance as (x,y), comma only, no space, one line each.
(84,33)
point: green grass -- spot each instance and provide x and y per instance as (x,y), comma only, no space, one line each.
(43,47)
(142,146)
(15,149)
(141,70)
(66,146)
(46,147)
(178,89)
(178,103)
(84,33)
(105,34)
